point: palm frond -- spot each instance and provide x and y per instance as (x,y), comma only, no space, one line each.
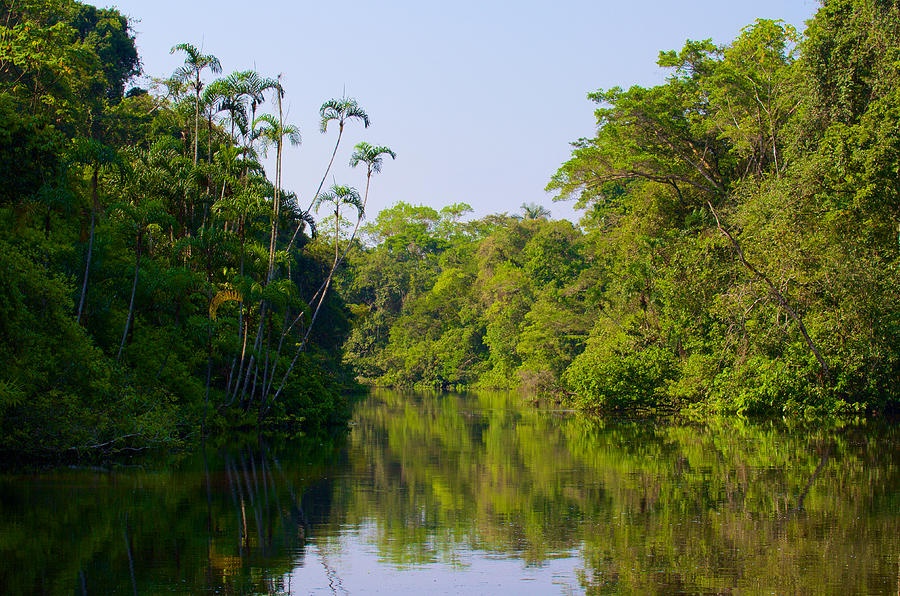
(372,156)
(342,109)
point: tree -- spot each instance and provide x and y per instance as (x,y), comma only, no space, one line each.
(109,34)
(95,155)
(373,156)
(274,133)
(535,211)
(339,110)
(194,64)
(337,197)
(151,171)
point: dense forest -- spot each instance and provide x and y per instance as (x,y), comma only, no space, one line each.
(155,283)
(738,250)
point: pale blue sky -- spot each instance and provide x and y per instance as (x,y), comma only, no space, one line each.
(480,99)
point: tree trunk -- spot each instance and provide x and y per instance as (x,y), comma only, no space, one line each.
(197,119)
(318,190)
(137,268)
(276,207)
(87,265)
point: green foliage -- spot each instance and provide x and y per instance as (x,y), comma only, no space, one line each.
(739,250)
(124,205)
(605,379)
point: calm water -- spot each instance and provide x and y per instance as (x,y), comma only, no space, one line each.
(448,494)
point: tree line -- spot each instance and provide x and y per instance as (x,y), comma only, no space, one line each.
(156,283)
(738,249)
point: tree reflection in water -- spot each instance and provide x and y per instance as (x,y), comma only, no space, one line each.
(438,483)
(231,521)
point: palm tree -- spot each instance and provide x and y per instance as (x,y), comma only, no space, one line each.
(189,73)
(373,157)
(96,155)
(535,211)
(234,93)
(339,196)
(341,111)
(151,176)
(212,102)
(254,87)
(274,133)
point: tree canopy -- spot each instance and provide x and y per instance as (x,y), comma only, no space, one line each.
(738,249)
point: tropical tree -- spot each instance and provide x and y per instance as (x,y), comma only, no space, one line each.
(373,156)
(337,197)
(340,111)
(274,132)
(534,211)
(150,174)
(189,73)
(95,155)
(253,87)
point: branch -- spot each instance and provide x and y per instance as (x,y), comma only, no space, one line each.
(778,295)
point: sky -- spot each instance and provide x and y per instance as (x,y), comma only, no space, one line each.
(480,99)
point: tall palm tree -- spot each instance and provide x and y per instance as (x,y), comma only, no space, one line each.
(189,73)
(341,111)
(212,102)
(150,176)
(274,133)
(254,87)
(340,196)
(234,90)
(373,156)
(337,197)
(96,155)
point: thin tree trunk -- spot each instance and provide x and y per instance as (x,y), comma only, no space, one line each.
(137,268)
(267,383)
(208,334)
(197,119)
(276,207)
(256,346)
(237,381)
(87,265)
(322,183)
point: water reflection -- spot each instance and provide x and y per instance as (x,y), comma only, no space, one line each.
(476,494)
(231,520)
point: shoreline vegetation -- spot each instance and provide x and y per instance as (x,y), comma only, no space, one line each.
(739,251)
(156,285)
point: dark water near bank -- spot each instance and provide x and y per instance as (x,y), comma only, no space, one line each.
(446,494)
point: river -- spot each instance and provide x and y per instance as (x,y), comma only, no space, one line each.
(475,494)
